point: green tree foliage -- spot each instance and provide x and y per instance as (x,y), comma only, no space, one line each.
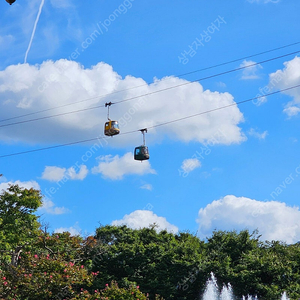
(113,292)
(270,270)
(37,265)
(159,262)
(44,266)
(225,250)
(71,248)
(18,223)
(264,269)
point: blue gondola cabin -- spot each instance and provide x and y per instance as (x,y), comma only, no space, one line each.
(141,153)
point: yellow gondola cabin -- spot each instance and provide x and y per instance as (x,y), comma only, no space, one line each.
(111,128)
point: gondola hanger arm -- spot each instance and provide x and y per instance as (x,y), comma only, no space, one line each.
(143,133)
(108,104)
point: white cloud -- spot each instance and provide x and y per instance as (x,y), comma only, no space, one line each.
(82,173)
(251,71)
(50,208)
(116,167)
(53,173)
(144,218)
(27,89)
(260,136)
(147,187)
(291,110)
(274,220)
(24,184)
(190,164)
(286,78)
(74,230)
(56,174)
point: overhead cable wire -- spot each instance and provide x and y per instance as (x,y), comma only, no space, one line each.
(154,92)
(238,59)
(52,116)
(208,77)
(52,108)
(223,107)
(154,126)
(135,87)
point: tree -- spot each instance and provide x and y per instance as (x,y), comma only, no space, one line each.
(19,225)
(114,292)
(33,263)
(52,269)
(41,276)
(269,271)
(264,269)
(161,263)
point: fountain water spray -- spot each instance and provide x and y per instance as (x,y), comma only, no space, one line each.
(211,289)
(284,296)
(250,298)
(226,293)
(212,292)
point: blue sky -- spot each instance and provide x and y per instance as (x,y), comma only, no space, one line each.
(234,168)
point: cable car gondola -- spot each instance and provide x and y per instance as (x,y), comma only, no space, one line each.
(141,152)
(111,127)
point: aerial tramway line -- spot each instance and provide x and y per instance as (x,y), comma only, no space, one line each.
(111,128)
